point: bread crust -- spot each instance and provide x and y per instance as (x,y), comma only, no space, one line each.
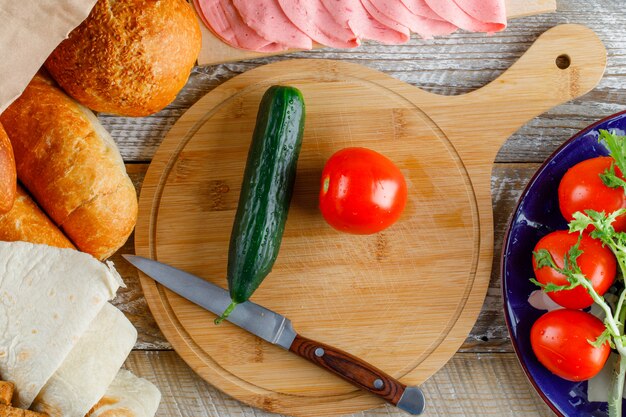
(8,411)
(72,168)
(8,177)
(6,392)
(130,57)
(27,223)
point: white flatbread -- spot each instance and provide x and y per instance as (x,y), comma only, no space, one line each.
(90,367)
(48,299)
(128,396)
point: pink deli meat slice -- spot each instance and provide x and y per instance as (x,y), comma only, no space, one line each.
(312,18)
(426,28)
(270,22)
(490,12)
(450,10)
(352,15)
(224,20)
(385,20)
(198,7)
(421,8)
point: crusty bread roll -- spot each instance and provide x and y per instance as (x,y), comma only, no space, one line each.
(71,166)
(27,223)
(130,57)
(8,177)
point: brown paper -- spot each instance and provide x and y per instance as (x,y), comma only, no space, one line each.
(29,32)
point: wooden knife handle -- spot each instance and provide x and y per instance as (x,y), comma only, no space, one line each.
(360,374)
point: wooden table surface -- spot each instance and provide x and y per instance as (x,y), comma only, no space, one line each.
(484,378)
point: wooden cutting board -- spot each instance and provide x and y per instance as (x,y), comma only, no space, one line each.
(214,51)
(403,299)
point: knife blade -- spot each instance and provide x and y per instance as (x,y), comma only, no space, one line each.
(278,330)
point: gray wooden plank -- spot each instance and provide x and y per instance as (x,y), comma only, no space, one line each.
(469,385)
(490,333)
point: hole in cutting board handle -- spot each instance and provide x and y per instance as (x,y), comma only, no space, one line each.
(563,61)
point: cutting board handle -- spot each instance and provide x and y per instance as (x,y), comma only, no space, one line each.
(564,63)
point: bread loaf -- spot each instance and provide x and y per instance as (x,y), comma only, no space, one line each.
(7,173)
(27,223)
(72,168)
(130,57)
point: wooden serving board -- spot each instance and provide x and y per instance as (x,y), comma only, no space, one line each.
(403,299)
(214,51)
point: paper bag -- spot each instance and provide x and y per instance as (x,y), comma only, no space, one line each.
(29,32)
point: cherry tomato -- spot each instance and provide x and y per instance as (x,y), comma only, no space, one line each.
(560,340)
(596,262)
(581,189)
(362,192)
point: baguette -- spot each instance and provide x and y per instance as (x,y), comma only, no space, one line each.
(27,223)
(71,166)
(8,178)
(130,57)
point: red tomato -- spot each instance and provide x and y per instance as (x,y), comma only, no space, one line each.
(596,262)
(362,192)
(560,340)
(581,189)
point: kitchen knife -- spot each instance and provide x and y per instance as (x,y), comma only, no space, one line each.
(277,329)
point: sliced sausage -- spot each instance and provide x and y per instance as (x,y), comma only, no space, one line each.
(490,12)
(224,20)
(426,28)
(450,10)
(352,15)
(421,8)
(312,18)
(267,19)
(384,19)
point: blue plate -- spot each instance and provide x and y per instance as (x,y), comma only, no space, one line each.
(536,215)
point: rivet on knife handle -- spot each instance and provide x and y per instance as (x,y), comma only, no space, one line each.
(360,373)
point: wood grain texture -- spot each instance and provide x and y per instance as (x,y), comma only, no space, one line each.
(214,51)
(469,385)
(345,279)
(489,334)
(412,340)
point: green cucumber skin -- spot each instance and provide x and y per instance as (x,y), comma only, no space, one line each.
(266,190)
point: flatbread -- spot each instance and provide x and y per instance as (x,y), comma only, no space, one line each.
(48,299)
(128,396)
(90,367)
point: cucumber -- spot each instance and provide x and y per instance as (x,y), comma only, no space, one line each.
(266,191)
